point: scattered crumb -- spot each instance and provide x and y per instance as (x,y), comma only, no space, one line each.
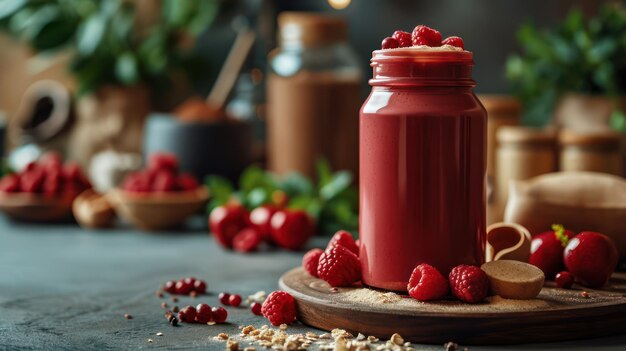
(232,345)
(174,299)
(211,323)
(221,336)
(150,340)
(163,305)
(283,326)
(128,316)
(159,334)
(397,339)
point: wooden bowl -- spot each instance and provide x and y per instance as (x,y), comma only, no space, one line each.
(579,201)
(36,207)
(157,211)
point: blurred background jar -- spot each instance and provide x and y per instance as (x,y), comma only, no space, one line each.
(313,95)
(597,152)
(523,153)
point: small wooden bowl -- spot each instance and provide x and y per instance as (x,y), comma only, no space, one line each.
(157,211)
(36,207)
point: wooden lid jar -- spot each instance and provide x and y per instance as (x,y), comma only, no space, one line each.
(502,110)
(595,152)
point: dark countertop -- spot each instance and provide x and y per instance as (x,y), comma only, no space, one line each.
(62,287)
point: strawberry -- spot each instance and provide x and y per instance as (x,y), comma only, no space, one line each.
(344,238)
(338,266)
(260,218)
(546,250)
(291,229)
(592,258)
(247,240)
(227,221)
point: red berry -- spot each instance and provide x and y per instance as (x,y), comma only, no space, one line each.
(137,182)
(389,43)
(279,308)
(51,161)
(10,183)
(291,229)
(164,181)
(52,183)
(345,239)
(564,280)
(72,174)
(203,313)
(187,314)
(32,179)
(234,300)
(591,257)
(423,35)
(454,41)
(403,38)
(546,250)
(183,287)
(170,286)
(187,182)
(219,314)
(226,222)
(255,307)
(260,219)
(190,280)
(224,298)
(199,286)
(247,240)
(338,266)
(310,261)
(469,283)
(427,283)
(163,161)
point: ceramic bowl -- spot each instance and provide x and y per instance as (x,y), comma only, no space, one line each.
(35,207)
(579,201)
(157,211)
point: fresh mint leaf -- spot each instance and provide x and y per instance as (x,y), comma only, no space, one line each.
(339,182)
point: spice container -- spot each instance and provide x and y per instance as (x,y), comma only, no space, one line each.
(522,153)
(597,152)
(313,97)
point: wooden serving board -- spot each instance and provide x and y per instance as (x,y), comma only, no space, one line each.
(556,315)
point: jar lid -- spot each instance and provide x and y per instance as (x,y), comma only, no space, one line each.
(311,29)
(525,135)
(500,103)
(608,138)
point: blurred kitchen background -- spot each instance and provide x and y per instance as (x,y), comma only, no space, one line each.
(101,81)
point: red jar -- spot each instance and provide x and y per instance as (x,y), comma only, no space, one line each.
(422,166)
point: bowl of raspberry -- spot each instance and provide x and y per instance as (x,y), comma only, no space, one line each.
(43,191)
(159,196)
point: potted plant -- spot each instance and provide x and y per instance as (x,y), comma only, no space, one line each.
(126,57)
(573,74)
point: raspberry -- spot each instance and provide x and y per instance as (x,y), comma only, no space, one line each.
(310,260)
(427,283)
(389,43)
(52,184)
(51,161)
(10,183)
(279,308)
(344,239)
(454,41)
(73,174)
(403,38)
(163,161)
(338,266)
(564,280)
(291,229)
(136,182)
(423,35)
(32,180)
(469,283)
(247,240)
(187,182)
(226,222)
(164,181)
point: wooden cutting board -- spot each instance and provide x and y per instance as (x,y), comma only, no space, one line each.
(556,315)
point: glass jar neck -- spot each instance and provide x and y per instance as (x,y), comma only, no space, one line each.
(419,68)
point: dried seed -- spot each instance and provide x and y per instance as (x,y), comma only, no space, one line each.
(584,294)
(193,294)
(222,336)
(211,323)
(283,326)
(175,309)
(249,348)
(150,340)
(397,339)
(163,305)
(174,299)
(451,346)
(128,316)
(159,294)
(372,338)
(159,334)
(174,321)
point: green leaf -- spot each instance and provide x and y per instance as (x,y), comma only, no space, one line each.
(10,7)
(253,177)
(339,182)
(618,121)
(221,189)
(90,34)
(257,197)
(295,184)
(126,69)
(324,172)
(300,202)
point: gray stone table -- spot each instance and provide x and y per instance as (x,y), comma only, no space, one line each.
(62,287)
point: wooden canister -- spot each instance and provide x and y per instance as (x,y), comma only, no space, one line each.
(597,152)
(522,153)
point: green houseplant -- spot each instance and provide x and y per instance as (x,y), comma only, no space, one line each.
(578,59)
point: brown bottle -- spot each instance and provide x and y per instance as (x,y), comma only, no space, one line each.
(314,96)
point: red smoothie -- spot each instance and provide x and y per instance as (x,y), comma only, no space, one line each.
(422,165)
